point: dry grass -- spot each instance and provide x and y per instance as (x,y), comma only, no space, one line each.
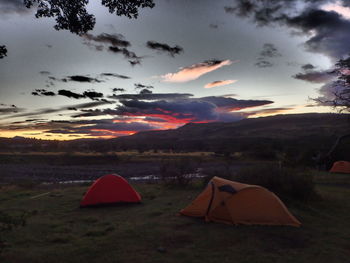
(58,231)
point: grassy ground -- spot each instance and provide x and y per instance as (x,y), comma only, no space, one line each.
(59,231)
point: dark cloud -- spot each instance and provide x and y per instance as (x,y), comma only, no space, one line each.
(213,26)
(56,110)
(229,9)
(90,104)
(70,94)
(43,92)
(206,109)
(106,127)
(162,47)
(175,109)
(91,113)
(145,91)
(115,75)
(9,110)
(115,43)
(315,76)
(182,110)
(124,51)
(92,94)
(331,32)
(116,40)
(152,96)
(327,31)
(308,67)
(134,62)
(263,12)
(119,90)
(86,94)
(6,105)
(263,64)
(80,78)
(268,51)
(234,104)
(141,86)
(44,72)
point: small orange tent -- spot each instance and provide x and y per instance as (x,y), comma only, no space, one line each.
(110,189)
(236,203)
(341,167)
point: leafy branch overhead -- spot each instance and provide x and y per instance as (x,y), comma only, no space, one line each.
(72,15)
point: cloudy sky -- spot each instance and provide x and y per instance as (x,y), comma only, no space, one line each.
(181,61)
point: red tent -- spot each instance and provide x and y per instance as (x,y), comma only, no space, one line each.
(341,167)
(110,189)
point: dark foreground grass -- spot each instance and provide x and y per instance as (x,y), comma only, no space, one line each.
(57,230)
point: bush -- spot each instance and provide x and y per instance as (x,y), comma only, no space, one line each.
(8,222)
(177,172)
(287,183)
(26,183)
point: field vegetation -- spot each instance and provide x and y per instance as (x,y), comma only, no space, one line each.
(45,224)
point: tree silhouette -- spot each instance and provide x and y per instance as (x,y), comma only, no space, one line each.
(341,87)
(3,51)
(72,15)
(341,102)
(342,97)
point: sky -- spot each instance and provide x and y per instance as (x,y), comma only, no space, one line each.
(179,62)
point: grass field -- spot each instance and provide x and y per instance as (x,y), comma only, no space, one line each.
(57,230)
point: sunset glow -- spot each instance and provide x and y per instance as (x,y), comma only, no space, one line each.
(195,71)
(223,63)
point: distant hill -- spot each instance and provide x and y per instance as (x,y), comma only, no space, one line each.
(311,132)
(298,128)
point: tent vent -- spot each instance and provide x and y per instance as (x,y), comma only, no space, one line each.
(227,188)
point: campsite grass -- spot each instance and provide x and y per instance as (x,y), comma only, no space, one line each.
(57,230)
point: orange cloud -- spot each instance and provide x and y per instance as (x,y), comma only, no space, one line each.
(219,83)
(195,71)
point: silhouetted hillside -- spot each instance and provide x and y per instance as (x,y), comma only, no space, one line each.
(317,131)
(259,137)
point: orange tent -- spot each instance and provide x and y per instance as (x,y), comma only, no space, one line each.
(110,189)
(231,202)
(341,167)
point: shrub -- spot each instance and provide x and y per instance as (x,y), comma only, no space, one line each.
(9,222)
(26,183)
(177,172)
(287,183)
